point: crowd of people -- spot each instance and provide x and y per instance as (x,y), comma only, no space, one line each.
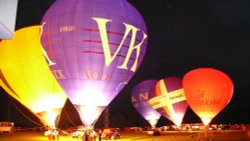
(53,134)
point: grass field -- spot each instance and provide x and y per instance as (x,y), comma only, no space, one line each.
(140,136)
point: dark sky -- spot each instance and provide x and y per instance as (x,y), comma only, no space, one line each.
(183,35)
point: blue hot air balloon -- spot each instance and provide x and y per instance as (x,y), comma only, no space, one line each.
(140,97)
(93,47)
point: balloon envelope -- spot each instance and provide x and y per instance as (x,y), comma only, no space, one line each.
(94,48)
(26,76)
(207,91)
(168,99)
(140,97)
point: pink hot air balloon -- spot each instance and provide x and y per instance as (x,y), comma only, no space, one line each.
(140,97)
(94,47)
(168,99)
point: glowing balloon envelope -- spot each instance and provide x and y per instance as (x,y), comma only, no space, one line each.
(207,91)
(26,76)
(140,97)
(169,99)
(94,48)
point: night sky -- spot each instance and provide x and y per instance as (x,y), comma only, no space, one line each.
(183,35)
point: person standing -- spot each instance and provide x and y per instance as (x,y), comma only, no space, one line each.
(85,136)
(100,134)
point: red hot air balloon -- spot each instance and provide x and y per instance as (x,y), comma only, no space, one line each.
(208,91)
(169,99)
(94,48)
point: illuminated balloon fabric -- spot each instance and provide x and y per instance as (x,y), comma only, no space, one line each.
(140,97)
(27,77)
(169,99)
(4,84)
(96,47)
(207,91)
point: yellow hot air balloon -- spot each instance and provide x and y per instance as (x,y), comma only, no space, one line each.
(25,75)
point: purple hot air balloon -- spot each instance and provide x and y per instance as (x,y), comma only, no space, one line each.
(169,99)
(140,97)
(93,48)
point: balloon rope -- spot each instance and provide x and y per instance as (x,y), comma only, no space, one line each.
(69,118)
(23,113)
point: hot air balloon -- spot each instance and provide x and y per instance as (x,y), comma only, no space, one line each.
(25,75)
(168,99)
(207,91)
(140,97)
(94,47)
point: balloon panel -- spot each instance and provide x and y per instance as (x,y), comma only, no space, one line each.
(169,99)
(25,72)
(208,91)
(94,47)
(140,97)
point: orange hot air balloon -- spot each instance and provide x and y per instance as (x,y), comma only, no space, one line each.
(207,91)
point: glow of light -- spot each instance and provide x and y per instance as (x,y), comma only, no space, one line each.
(89,114)
(90,97)
(152,119)
(206,120)
(153,122)
(50,116)
(45,103)
(177,119)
